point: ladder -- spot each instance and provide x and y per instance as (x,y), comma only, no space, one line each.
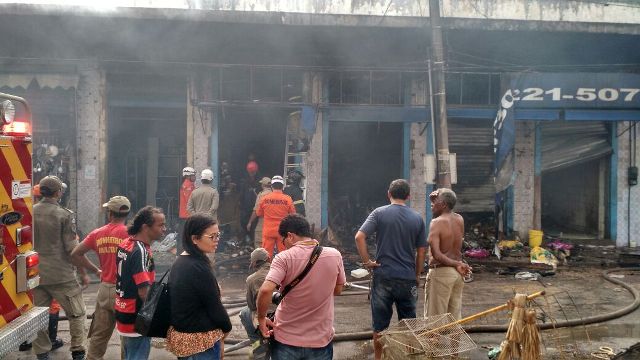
(293,158)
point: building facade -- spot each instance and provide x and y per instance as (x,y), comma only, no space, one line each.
(340,89)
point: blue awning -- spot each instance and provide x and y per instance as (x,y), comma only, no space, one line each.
(602,115)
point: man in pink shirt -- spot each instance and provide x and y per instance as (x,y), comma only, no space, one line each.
(303,326)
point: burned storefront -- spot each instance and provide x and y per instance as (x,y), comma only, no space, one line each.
(53,102)
(575,176)
(557,153)
(146,139)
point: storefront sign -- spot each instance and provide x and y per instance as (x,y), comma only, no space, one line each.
(560,91)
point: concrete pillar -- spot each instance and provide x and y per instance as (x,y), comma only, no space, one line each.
(198,123)
(628,214)
(418,149)
(523,191)
(92,146)
(313,93)
(602,197)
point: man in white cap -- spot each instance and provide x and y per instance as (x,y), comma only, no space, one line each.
(204,199)
(260,264)
(273,208)
(104,242)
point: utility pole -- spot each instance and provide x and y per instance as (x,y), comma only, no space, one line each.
(443,178)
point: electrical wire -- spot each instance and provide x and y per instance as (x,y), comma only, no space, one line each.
(540,67)
(420,8)
(608,3)
(385,12)
(632,150)
(480,57)
(475,7)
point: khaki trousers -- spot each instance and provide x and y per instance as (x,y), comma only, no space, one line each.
(104,321)
(257,237)
(443,292)
(69,295)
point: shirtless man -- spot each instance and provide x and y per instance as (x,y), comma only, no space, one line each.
(443,290)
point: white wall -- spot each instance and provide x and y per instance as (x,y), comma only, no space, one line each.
(531,10)
(523,190)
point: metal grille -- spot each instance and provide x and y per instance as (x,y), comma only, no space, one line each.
(433,336)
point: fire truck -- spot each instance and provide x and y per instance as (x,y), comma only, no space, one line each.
(20,320)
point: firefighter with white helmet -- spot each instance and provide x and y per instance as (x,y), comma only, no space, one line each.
(204,199)
(188,172)
(187,187)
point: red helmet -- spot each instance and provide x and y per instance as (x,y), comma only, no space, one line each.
(252,167)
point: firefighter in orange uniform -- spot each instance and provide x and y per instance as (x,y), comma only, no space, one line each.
(187,187)
(273,208)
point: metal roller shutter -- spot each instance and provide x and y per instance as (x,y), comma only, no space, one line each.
(568,143)
(472,141)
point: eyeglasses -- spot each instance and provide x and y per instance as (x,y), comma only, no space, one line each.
(214,235)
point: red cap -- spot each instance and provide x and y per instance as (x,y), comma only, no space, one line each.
(252,166)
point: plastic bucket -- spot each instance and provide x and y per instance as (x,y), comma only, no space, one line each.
(535,238)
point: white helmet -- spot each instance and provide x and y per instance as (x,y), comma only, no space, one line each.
(207,174)
(188,171)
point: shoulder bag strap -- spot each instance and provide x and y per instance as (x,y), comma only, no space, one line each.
(315,254)
(165,274)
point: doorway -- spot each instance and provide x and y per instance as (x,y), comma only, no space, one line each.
(364,157)
(147,140)
(247,134)
(575,179)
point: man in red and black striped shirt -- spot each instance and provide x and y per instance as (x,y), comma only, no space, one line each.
(135,274)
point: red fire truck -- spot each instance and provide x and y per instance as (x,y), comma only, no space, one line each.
(20,320)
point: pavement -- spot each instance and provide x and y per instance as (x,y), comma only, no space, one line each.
(576,291)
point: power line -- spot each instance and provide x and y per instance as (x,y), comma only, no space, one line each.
(385,12)
(608,3)
(540,67)
(475,6)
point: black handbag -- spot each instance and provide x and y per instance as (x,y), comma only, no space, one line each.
(155,315)
(263,350)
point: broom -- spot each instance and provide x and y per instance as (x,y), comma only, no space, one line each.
(531,337)
(511,348)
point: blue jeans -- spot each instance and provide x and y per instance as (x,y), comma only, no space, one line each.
(281,351)
(384,293)
(246,318)
(135,348)
(212,353)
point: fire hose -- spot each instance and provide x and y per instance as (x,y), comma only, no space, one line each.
(368,335)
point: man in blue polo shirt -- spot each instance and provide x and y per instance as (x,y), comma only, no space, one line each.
(401,247)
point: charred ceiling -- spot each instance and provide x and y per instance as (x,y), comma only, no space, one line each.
(177,42)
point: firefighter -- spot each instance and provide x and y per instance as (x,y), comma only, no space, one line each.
(54,315)
(293,189)
(273,207)
(54,239)
(204,199)
(187,187)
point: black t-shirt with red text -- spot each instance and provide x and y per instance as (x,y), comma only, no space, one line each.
(135,269)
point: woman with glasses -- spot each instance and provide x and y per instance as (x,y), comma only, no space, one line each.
(199,322)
